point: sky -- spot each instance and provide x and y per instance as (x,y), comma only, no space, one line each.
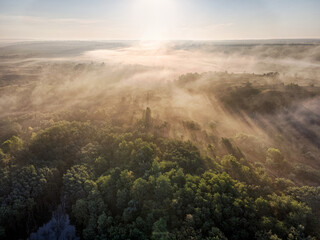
(159,19)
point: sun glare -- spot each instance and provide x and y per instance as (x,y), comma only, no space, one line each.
(156,18)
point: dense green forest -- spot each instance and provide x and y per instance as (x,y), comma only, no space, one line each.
(108,150)
(135,183)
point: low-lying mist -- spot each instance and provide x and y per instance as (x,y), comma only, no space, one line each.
(201,89)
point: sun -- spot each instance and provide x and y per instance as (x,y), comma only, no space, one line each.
(156,18)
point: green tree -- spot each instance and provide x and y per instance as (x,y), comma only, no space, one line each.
(274,157)
(159,230)
(140,189)
(12,145)
(163,188)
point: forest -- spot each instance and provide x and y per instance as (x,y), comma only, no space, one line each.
(95,149)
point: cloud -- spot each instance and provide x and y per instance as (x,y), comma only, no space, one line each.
(34,27)
(34,19)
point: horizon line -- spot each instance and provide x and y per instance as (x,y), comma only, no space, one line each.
(157,40)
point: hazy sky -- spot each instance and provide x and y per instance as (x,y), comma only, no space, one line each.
(159,19)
